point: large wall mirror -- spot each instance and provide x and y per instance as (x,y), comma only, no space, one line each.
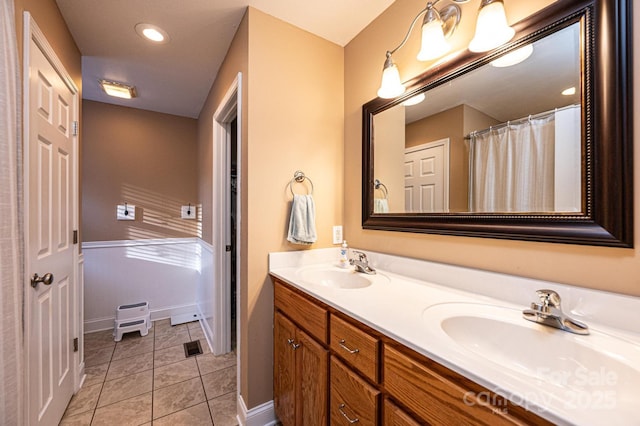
(537,149)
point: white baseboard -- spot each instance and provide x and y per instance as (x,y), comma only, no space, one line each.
(262,415)
(158,314)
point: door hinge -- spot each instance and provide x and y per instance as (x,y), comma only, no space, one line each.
(227,248)
(74,128)
(75,344)
(75,236)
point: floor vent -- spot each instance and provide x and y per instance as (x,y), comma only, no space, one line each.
(192,348)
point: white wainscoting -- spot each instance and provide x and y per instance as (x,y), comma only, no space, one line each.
(204,292)
(164,272)
(262,415)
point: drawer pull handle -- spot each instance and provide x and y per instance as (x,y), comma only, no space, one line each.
(293,344)
(350,420)
(348,349)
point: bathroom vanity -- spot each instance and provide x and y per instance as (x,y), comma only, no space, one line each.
(425,343)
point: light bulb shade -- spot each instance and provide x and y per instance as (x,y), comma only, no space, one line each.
(434,44)
(492,29)
(391,85)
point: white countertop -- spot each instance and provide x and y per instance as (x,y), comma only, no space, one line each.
(404,288)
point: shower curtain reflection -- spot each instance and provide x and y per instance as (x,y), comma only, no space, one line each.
(512,167)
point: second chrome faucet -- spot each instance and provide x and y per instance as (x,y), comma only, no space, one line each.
(548,311)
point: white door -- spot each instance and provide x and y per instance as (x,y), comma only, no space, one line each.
(426,178)
(51,108)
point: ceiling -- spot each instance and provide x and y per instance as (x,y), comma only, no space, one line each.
(175,78)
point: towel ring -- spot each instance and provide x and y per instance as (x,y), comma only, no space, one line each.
(381,186)
(299,177)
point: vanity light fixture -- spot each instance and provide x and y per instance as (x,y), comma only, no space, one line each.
(492,29)
(437,26)
(118,90)
(513,58)
(152,33)
(569,92)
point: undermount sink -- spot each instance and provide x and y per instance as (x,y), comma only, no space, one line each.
(597,369)
(332,276)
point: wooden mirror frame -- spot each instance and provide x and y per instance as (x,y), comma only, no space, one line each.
(607,215)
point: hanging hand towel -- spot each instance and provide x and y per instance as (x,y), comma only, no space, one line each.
(302,223)
(380,205)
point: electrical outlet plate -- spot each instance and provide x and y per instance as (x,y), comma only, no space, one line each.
(126,212)
(337,234)
(188,212)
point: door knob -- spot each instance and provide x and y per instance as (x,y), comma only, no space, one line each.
(46,279)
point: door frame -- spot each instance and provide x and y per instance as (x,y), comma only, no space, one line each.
(33,32)
(230,107)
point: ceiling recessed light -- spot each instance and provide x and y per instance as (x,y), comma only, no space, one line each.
(152,33)
(118,90)
(570,91)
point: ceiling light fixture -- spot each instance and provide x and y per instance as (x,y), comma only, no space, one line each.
(437,26)
(118,90)
(492,29)
(152,33)
(569,92)
(513,58)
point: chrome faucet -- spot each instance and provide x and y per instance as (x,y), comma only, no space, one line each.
(361,262)
(549,312)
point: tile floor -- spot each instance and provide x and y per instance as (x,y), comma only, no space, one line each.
(149,381)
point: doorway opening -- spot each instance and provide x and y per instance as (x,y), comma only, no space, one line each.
(227,221)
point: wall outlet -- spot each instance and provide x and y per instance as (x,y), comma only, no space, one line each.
(188,212)
(126,212)
(337,234)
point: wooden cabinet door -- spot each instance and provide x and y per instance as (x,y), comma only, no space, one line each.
(311,401)
(284,369)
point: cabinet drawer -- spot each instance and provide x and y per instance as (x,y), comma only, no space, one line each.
(395,416)
(433,397)
(352,399)
(355,346)
(302,311)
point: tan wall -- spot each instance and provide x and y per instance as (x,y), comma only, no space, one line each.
(295,119)
(235,61)
(143,158)
(594,267)
(292,119)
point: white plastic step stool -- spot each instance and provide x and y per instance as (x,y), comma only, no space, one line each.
(132,317)
(134,310)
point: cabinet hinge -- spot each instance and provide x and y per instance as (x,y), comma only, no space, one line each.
(74,128)
(75,344)
(75,236)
